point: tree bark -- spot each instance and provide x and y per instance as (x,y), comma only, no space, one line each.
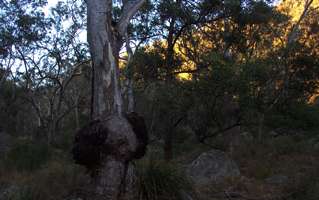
(291,38)
(76,114)
(129,77)
(115,177)
(104,48)
(261,120)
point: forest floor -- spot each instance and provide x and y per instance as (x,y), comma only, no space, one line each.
(279,168)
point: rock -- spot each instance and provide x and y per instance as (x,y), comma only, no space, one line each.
(316,146)
(286,132)
(277,180)
(274,133)
(247,136)
(184,195)
(314,142)
(9,191)
(212,167)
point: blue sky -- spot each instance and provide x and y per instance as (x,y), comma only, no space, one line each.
(51,3)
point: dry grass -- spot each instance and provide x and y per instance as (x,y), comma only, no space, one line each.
(56,180)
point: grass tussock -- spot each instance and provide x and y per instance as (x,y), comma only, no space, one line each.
(158,180)
(54,180)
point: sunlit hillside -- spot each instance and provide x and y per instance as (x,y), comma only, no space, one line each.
(295,8)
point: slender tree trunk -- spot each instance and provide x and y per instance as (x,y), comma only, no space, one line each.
(168,146)
(293,36)
(130,95)
(76,114)
(129,77)
(261,120)
(39,120)
(50,134)
(169,139)
(169,62)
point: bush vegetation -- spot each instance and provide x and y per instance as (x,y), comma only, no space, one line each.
(158,180)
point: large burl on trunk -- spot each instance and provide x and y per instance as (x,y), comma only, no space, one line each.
(106,147)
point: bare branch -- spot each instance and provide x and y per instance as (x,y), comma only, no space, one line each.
(219,131)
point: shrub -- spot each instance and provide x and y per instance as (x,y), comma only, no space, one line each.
(23,193)
(160,181)
(57,179)
(307,188)
(27,155)
(296,116)
(286,145)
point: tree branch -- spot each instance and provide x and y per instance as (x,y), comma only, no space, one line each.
(292,36)
(219,131)
(129,9)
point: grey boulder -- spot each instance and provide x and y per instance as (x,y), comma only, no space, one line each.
(212,167)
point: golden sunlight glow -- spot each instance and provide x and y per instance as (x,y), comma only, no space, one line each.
(294,8)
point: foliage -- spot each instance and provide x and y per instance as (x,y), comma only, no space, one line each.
(306,188)
(58,179)
(27,155)
(159,180)
(23,193)
(22,23)
(296,116)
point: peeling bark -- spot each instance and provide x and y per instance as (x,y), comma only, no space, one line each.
(115,174)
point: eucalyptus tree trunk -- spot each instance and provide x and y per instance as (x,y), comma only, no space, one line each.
(76,114)
(115,177)
(292,37)
(104,44)
(129,77)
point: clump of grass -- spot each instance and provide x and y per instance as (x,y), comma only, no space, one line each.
(256,159)
(158,180)
(22,193)
(56,180)
(286,145)
(27,155)
(305,186)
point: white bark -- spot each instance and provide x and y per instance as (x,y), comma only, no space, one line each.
(293,35)
(105,42)
(114,180)
(129,82)
(129,9)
